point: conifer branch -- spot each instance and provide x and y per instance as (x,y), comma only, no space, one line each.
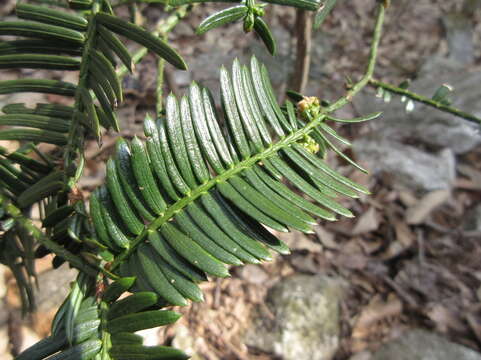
(425,100)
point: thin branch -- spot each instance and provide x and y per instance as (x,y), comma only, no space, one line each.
(425,100)
(107,273)
(57,249)
(76,133)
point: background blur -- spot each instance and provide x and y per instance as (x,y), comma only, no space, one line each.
(402,280)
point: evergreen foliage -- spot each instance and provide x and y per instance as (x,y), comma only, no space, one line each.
(192,198)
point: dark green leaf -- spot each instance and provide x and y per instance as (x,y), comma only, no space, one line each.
(42,349)
(106,69)
(117,47)
(84,351)
(35,135)
(232,114)
(117,288)
(442,93)
(128,215)
(131,304)
(221,18)
(170,256)
(41,31)
(36,121)
(156,278)
(141,321)
(37,85)
(184,2)
(192,252)
(137,352)
(53,110)
(39,46)
(312,5)
(355,120)
(191,229)
(143,37)
(80,4)
(51,16)
(262,29)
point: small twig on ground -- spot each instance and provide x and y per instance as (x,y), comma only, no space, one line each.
(420,241)
(266,311)
(303,53)
(401,293)
(456,231)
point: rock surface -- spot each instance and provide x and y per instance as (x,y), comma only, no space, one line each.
(408,166)
(305,321)
(459,34)
(437,135)
(53,288)
(422,345)
(184,340)
(425,124)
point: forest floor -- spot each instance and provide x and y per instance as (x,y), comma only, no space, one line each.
(401,272)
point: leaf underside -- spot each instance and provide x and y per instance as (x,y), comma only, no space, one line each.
(200,192)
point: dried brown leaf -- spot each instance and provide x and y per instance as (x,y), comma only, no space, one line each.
(419,212)
(369,221)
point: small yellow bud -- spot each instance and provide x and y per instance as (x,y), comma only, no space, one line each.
(309,105)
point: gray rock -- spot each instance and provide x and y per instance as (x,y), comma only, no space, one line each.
(425,124)
(53,287)
(253,274)
(422,345)
(363,355)
(459,34)
(305,322)
(185,341)
(282,63)
(182,78)
(409,167)
(205,70)
(183,29)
